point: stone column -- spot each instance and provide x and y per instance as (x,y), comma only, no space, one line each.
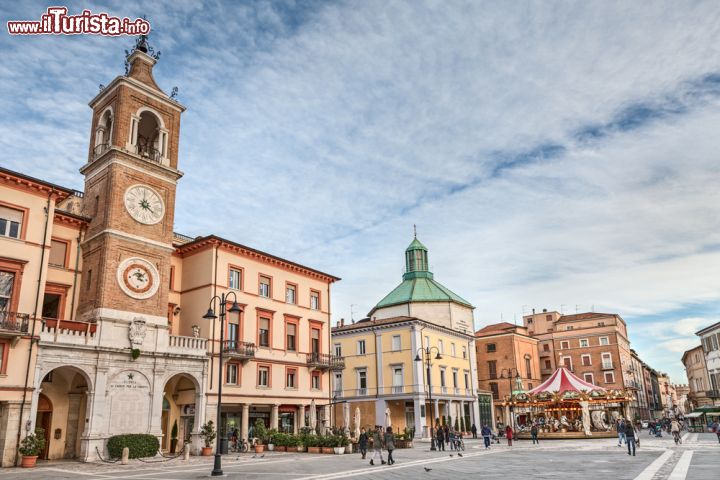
(380,406)
(33,408)
(461,405)
(274,416)
(71,429)
(245,418)
(436,408)
(326,414)
(300,420)
(420,422)
(196,441)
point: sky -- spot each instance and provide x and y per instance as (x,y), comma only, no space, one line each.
(559,155)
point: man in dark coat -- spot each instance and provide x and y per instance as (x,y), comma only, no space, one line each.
(473,429)
(440,438)
(363,443)
(630,437)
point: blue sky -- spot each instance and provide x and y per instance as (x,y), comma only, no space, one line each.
(553,154)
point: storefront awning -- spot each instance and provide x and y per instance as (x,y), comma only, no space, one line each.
(694,414)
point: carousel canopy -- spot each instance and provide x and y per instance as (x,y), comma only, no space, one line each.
(563,380)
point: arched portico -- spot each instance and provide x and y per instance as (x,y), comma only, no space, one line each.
(182,403)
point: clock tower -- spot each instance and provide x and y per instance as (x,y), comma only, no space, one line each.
(130,183)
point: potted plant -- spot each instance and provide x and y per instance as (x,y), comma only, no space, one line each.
(270,437)
(328,444)
(292,443)
(301,440)
(281,441)
(313,443)
(173,437)
(31,446)
(339,444)
(261,434)
(208,434)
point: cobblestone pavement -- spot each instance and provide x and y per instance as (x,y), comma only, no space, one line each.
(657,459)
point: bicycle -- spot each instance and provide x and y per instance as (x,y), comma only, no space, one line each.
(676,436)
(459,444)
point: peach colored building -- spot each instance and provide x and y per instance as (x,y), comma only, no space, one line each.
(507,362)
(102,304)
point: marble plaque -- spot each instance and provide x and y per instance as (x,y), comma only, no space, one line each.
(129,393)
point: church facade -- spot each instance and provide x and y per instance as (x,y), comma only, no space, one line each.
(101,302)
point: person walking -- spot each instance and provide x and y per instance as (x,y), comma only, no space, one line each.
(486,434)
(509,435)
(390,445)
(451,439)
(363,442)
(440,438)
(630,437)
(377,445)
(473,430)
(675,430)
(534,433)
(717,430)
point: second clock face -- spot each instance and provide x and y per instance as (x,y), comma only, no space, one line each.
(144,204)
(138,278)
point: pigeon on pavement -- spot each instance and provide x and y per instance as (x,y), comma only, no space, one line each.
(427,469)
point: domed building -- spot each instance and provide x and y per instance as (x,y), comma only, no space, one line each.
(411,362)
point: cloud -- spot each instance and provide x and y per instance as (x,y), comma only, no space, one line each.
(551,154)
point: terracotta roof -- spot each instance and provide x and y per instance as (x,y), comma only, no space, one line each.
(496,328)
(585,316)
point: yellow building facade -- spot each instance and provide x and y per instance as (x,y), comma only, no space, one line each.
(387,375)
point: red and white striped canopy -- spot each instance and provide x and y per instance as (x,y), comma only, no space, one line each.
(563,380)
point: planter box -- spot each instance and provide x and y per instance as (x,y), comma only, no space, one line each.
(271,447)
(328,450)
(339,450)
(280,449)
(313,449)
(300,448)
(292,449)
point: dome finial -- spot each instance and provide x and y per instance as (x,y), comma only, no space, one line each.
(414,230)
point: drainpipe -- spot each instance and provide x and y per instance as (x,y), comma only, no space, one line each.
(331,373)
(212,339)
(32,333)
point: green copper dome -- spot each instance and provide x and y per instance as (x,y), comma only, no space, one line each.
(418,284)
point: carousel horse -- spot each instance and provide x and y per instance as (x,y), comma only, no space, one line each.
(578,425)
(564,422)
(555,424)
(599,420)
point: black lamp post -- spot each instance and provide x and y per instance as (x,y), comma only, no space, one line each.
(508,373)
(428,364)
(210,315)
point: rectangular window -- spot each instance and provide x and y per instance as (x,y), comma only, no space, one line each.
(58,252)
(464,350)
(495,391)
(264,377)
(264,332)
(7,279)
(10,222)
(88,280)
(607,360)
(397,380)
(338,350)
(291,377)
(491,347)
(427,341)
(315,340)
(586,360)
(233,335)
(361,347)
(588,377)
(528,369)
(265,286)
(442,377)
(548,365)
(466,377)
(564,344)
(452,349)
(546,347)
(290,293)
(362,382)
(584,343)
(315,380)
(314,300)
(51,305)
(337,385)
(291,333)
(604,341)
(441,347)
(396,343)
(171,283)
(492,369)
(231,374)
(235,279)
(609,377)
(567,362)
(455,378)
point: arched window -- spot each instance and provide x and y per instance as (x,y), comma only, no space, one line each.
(148,137)
(103,132)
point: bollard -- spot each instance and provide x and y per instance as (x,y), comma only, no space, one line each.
(187,453)
(125,456)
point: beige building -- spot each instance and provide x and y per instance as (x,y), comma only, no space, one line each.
(698,379)
(386,375)
(102,304)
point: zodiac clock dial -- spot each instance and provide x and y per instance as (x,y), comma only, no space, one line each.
(138,278)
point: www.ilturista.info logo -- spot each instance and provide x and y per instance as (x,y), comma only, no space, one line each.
(56,21)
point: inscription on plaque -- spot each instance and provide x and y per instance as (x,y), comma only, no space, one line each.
(129,403)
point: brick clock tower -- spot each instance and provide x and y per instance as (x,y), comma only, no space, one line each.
(130,183)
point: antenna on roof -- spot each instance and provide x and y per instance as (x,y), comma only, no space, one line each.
(352,311)
(576,308)
(562,308)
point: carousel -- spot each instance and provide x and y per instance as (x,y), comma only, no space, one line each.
(565,406)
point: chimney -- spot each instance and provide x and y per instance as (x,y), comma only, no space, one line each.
(544,310)
(342,322)
(533,311)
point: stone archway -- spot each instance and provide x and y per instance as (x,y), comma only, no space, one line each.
(61,406)
(180,396)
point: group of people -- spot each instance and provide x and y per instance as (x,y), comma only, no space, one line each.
(444,435)
(380,440)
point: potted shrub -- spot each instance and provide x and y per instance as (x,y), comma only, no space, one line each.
(173,437)
(328,444)
(339,444)
(281,441)
(270,437)
(208,434)
(291,444)
(261,434)
(300,441)
(313,443)
(31,446)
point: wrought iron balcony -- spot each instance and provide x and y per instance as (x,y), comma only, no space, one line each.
(324,361)
(13,324)
(712,393)
(149,152)
(607,366)
(240,350)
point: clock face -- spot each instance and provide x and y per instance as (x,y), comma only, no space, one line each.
(138,278)
(144,204)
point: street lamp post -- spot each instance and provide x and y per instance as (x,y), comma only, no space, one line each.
(428,364)
(508,373)
(210,315)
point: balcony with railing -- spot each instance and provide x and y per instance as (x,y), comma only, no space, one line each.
(607,365)
(187,345)
(398,389)
(324,361)
(712,393)
(13,324)
(239,350)
(72,332)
